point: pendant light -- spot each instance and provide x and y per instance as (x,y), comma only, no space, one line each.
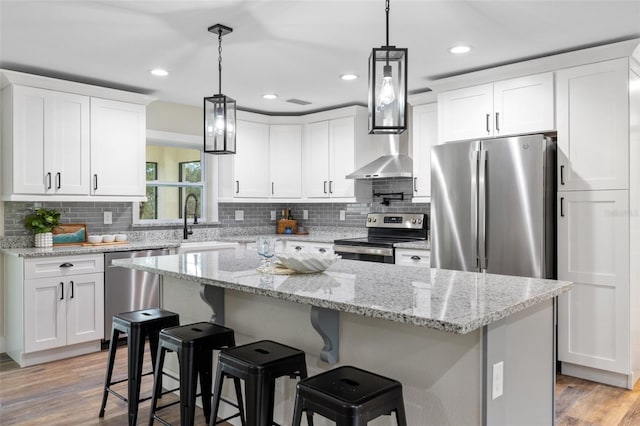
(388,88)
(220,110)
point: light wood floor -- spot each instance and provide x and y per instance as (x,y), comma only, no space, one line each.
(69,392)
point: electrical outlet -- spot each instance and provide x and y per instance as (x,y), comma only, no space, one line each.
(239,214)
(343,215)
(273,215)
(305,214)
(108,218)
(498,380)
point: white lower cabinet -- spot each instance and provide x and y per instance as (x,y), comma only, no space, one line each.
(54,307)
(60,312)
(308,247)
(594,318)
(413,257)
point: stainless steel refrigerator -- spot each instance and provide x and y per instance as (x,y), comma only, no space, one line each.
(493,206)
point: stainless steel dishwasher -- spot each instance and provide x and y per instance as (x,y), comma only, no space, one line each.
(128,290)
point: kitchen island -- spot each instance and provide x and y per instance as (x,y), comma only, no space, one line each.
(443,334)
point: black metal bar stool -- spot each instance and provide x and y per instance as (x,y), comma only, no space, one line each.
(349,396)
(138,325)
(194,345)
(259,364)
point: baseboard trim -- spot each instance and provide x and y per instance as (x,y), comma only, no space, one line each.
(597,375)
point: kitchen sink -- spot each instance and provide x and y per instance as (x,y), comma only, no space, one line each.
(190,247)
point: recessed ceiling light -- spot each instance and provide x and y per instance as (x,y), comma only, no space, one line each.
(270,96)
(348,77)
(159,72)
(460,49)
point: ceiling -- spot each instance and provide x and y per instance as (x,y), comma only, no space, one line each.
(297,49)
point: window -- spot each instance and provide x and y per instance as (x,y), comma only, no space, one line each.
(172,173)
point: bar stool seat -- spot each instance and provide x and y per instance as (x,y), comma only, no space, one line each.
(259,364)
(194,345)
(349,396)
(138,325)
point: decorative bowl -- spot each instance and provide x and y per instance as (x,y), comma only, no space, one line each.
(121,237)
(307,263)
(94,239)
(108,238)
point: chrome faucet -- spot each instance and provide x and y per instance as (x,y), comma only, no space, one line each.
(186,231)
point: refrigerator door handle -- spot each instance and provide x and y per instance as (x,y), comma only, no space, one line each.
(474,209)
(482,210)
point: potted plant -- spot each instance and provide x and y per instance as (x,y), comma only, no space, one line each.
(42,222)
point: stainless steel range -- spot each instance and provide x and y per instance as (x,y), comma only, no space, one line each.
(384,231)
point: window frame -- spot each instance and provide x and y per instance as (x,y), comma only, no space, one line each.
(209,167)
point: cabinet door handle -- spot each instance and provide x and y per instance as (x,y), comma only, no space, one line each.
(325,186)
(271,188)
(561,206)
(49,180)
(487,119)
(322,250)
(66,265)
(562,174)
(58,180)
(298,248)
(497,121)
(237,187)
(415,184)
(71,285)
(330,187)
(414,257)
(95,182)
(61,290)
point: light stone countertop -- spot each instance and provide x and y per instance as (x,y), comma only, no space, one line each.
(80,250)
(451,301)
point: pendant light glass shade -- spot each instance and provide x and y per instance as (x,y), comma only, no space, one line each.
(219,110)
(219,125)
(387,90)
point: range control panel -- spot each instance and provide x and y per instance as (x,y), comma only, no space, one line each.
(396,220)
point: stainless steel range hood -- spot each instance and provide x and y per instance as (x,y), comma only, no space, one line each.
(394,163)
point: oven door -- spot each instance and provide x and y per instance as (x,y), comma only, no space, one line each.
(365,253)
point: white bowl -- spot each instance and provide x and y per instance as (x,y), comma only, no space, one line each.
(108,238)
(94,239)
(121,237)
(307,263)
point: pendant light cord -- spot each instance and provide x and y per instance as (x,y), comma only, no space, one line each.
(220,61)
(387,13)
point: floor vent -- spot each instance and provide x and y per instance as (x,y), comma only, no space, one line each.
(298,102)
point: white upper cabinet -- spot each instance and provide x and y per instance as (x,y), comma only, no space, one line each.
(316,167)
(251,161)
(593,126)
(74,143)
(516,106)
(46,141)
(424,135)
(330,156)
(285,160)
(118,135)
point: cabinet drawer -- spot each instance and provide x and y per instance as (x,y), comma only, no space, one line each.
(413,257)
(43,267)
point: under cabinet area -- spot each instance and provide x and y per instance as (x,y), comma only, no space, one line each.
(509,107)
(413,257)
(54,306)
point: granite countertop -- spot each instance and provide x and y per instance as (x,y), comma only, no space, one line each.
(317,237)
(451,301)
(79,249)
